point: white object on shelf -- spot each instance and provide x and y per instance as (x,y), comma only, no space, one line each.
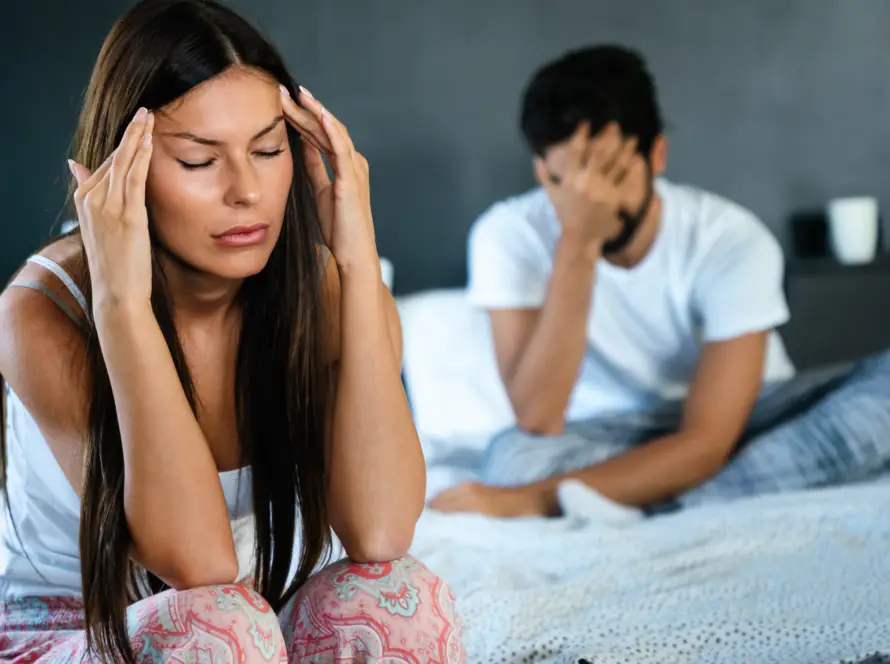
(853,229)
(387,269)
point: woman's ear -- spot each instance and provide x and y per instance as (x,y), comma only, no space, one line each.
(658,155)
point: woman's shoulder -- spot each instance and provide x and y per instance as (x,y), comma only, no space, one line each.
(42,304)
(43,348)
(55,276)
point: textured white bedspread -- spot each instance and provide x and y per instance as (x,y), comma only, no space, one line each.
(794,578)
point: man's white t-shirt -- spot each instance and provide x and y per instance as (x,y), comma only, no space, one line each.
(713,272)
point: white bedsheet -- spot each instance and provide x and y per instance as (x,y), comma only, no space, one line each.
(793,578)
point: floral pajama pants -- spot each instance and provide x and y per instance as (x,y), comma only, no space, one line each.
(397,612)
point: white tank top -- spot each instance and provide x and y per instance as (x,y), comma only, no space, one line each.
(40,554)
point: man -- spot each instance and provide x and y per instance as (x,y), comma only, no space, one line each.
(614,291)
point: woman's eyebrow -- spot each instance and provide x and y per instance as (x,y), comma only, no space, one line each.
(209,141)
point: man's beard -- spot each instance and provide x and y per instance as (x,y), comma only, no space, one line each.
(630,224)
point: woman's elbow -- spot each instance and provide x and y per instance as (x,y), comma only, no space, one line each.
(185,572)
(380,545)
(215,573)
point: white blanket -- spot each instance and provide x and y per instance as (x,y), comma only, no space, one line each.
(793,578)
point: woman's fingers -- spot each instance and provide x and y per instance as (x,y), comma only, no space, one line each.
(318,109)
(343,162)
(315,168)
(89,202)
(141,124)
(305,122)
(334,129)
(134,197)
(91,187)
(85,179)
(348,164)
(81,173)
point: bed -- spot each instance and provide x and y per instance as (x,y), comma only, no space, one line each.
(801,577)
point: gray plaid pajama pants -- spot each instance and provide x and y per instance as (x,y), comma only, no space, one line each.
(817,429)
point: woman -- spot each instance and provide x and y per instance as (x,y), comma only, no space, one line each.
(210,359)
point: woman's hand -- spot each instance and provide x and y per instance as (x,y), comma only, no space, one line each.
(344,205)
(114,221)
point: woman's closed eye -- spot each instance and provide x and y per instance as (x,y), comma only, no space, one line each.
(262,154)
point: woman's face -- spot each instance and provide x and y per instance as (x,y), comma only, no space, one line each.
(221,173)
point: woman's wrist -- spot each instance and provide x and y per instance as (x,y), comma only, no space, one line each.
(359,268)
(123,323)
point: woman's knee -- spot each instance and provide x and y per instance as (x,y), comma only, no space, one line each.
(233,623)
(395,605)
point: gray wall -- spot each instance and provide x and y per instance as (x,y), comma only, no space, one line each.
(777,104)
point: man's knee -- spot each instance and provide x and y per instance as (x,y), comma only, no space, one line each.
(398,604)
(518,457)
(499,462)
(232,622)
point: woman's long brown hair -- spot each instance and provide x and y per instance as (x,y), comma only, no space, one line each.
(154,54)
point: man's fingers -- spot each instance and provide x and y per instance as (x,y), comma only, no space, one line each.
(141,124)
(604,147)
(578,145)
(636,164)
(450,499)
(617,170)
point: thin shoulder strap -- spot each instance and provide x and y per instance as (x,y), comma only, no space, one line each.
(51,294)
(66,279)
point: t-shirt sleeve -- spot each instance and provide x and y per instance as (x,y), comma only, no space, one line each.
(738,288)
(507,263)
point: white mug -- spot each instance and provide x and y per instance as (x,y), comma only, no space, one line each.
(386,272)
(853,229)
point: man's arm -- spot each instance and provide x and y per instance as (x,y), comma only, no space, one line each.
(722,394)
(539,351)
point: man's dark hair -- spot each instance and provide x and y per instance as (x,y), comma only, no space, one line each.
(599,84)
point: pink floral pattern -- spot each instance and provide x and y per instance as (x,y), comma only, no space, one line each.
(348,612)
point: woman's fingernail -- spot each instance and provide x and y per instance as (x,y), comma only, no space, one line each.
(71,167)
(306,92)
(284,91)
(141,114)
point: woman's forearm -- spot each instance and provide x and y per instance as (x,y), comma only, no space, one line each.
(377,474)
(173,498)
